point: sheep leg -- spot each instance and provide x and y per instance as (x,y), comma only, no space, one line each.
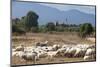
(34,60)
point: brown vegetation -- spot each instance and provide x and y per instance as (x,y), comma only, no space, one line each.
(59,38)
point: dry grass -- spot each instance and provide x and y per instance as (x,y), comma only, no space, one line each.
(61,38)
(18,61)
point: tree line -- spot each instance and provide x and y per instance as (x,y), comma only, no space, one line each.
(29,23)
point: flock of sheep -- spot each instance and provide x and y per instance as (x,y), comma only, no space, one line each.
(42,50)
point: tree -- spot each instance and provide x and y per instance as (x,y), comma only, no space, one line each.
(15,21)
(57,23)
(50,26)
(31,20)
(17,29)
(22,22)
(63,25)
(86,29)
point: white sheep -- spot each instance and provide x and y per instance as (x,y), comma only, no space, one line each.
(71,52)
(27,54)
(30,56)
(20,48)
(87,57)
(46,42)
(66,53)
(92,46)
(18,54)
(61,51)
(29,49)
(80,52)
(91,57)
(86,46)
(41,43)
(13,50)
(55,47)
(37,44)
(42,54)
(52,54)
(47,48)
(90,52)
(65,46)
(14,53)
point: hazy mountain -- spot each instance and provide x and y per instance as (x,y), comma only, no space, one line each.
(47,14)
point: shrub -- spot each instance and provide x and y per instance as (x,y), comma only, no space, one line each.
(85,29)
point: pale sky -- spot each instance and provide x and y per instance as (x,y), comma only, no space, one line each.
(62,7)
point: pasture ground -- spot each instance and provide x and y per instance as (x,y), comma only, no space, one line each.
(59,38)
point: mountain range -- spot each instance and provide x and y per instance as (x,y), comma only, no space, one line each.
(50,14)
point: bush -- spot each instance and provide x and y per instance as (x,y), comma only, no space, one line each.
(50,26)
(34,29)
(86,29)
(60,29)
(18,30)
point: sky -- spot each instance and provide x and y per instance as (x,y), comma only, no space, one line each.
(86,9)
(53,12)
(63,7)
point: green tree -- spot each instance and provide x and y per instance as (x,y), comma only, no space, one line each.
(31,20)
(57,23)
(18,26)
(86,29)
(50,26)
(15,21)
(17,29)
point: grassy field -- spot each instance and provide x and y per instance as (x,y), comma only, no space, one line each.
(18,61)
(59,38)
